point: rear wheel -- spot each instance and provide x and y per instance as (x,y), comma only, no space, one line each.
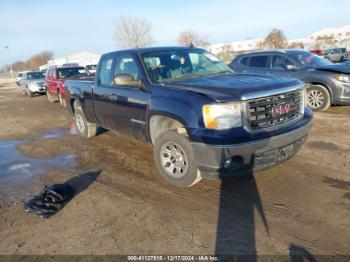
(175,160)
(85,128)
(61,100)
(318,98)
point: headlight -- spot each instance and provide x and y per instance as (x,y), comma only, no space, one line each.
(222,116)
(304,104)
(343,78)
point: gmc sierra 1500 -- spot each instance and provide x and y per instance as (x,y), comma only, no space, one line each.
(203,120)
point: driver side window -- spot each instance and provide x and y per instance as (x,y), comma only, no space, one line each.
(280,62)
(126,65)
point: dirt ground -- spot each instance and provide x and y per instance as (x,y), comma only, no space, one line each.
(124,207)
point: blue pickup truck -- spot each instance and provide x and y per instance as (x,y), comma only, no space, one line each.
(203,120)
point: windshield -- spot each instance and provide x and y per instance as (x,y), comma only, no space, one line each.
(76,72)
(91,67)
(173,65)
(35,75)
(309,59)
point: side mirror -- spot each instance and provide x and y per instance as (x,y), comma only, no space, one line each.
(126,80)
(292,68)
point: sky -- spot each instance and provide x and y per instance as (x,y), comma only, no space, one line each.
(67,26)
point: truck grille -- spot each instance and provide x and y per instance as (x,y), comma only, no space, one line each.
(274,110)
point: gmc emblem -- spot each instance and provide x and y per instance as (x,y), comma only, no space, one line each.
(283,109)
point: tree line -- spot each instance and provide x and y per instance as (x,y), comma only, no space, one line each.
(135,32)
(32,63)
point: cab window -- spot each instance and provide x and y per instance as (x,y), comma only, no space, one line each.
(279,62)
(258,61)
(126,65)
(105,76)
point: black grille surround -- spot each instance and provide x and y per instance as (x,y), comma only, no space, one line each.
(259,111)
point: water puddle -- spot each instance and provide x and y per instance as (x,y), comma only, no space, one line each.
(72,130)
(18,172)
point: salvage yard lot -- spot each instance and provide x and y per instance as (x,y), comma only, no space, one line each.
(124,207)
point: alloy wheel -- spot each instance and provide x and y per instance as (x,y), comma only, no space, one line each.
(315,99)
(174,160)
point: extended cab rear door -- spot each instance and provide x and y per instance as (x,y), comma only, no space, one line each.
(122,109)
(257,64)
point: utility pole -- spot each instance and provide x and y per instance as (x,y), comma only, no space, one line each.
(8,53)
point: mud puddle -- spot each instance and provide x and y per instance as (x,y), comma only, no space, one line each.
(72,130)
(19,173)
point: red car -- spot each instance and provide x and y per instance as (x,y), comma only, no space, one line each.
(317,52)
(54,81)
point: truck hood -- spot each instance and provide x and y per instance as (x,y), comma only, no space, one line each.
(335,68)
(235,87)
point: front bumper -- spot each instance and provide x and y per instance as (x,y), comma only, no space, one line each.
(341,95)
(222,161)
(37,89)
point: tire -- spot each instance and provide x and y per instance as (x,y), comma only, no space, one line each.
(85,128)
(170,146)
(318,98)
(29,93)
(62,103)
(49,97)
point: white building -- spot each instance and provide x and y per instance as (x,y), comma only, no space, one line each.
(82,58)
(338,33)
(341,34)
(237,46)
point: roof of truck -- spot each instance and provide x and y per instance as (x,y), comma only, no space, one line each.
(154,49)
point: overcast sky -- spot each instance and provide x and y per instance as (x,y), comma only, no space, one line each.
(68,26)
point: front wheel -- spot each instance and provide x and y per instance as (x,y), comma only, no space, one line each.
(318,98)
(175,160)
(49,97)
(29,93)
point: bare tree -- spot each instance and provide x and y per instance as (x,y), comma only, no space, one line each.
(299,45)
(226,53)
(274,40)
(133,32)
(34,62)
(190,37)
(325,42)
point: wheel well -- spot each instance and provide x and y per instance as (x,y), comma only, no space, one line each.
(71,104)
(159,124)
(320,84)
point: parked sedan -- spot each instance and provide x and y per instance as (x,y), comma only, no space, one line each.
(335,54)
(327,83)
(19,77)
(32,82)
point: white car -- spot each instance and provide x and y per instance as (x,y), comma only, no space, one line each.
(32,82)
(19,77)
(91,68)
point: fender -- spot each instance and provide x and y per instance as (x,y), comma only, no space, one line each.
(180,110)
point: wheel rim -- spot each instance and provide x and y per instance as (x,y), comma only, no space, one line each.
(80,123)
(315,99)
(174,160)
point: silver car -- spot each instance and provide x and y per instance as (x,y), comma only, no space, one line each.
(32,82)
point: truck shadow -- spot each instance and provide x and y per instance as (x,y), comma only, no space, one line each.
(239,198)
(82,182)
(240,207)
